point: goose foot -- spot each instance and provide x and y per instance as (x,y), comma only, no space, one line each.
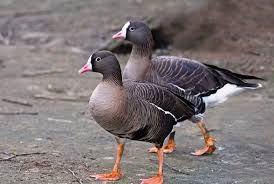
(116,172)
(159,179)
(113,176)
(209,148)
(209,141)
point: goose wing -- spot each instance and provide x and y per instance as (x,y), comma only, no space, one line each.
(145,121)
(180,107)
(194,78)
(187,75)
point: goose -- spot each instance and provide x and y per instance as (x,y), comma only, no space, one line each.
(133,110)
(182,76)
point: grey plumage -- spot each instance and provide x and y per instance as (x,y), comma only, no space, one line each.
(203,85)
(180,75)
(134,109)
(161,97)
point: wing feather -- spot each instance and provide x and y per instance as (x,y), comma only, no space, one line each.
(180,107)
(192,76)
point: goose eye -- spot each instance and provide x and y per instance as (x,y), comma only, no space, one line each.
(131,28)
(98,59)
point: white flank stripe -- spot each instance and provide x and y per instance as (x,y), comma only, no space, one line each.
(166,112)
(222,94)
(181,89)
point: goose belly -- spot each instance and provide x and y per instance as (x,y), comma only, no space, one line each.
(221,95)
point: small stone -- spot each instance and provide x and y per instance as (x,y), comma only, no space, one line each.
(220,148)
(34,170)
(108,158)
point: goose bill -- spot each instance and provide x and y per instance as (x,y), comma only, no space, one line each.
(119,35)
(86,68)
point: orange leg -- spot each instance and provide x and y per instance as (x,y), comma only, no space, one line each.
(169,147)
(116,173)
(209,141)
(159,178)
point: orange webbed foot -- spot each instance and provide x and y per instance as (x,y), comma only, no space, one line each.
(113,176)
(154,180)
(208,149)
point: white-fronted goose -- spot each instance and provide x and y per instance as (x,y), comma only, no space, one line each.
(126,110)
(181,75)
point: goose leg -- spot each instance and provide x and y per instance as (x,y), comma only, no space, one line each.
(169,147)
(209,141)
(159,178)
(116,173)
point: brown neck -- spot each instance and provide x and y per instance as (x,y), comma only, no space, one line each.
(144,50)
(113,77)
(139,61)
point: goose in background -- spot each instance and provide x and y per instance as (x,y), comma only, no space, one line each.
(182,76)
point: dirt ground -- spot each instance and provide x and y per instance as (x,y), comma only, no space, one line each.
(55,138)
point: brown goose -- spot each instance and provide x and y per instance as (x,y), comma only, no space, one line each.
(126,110)
(182,76)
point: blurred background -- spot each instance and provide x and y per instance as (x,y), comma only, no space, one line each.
(44,130)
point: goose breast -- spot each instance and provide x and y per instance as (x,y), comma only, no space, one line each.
(105,103)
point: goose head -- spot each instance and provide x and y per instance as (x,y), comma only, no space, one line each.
(135,32)
(103,62)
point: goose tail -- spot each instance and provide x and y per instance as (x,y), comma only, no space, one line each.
(235,78)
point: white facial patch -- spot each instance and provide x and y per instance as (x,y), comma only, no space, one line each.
(86,67)
(89,59)
(124,29)
(88,64)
